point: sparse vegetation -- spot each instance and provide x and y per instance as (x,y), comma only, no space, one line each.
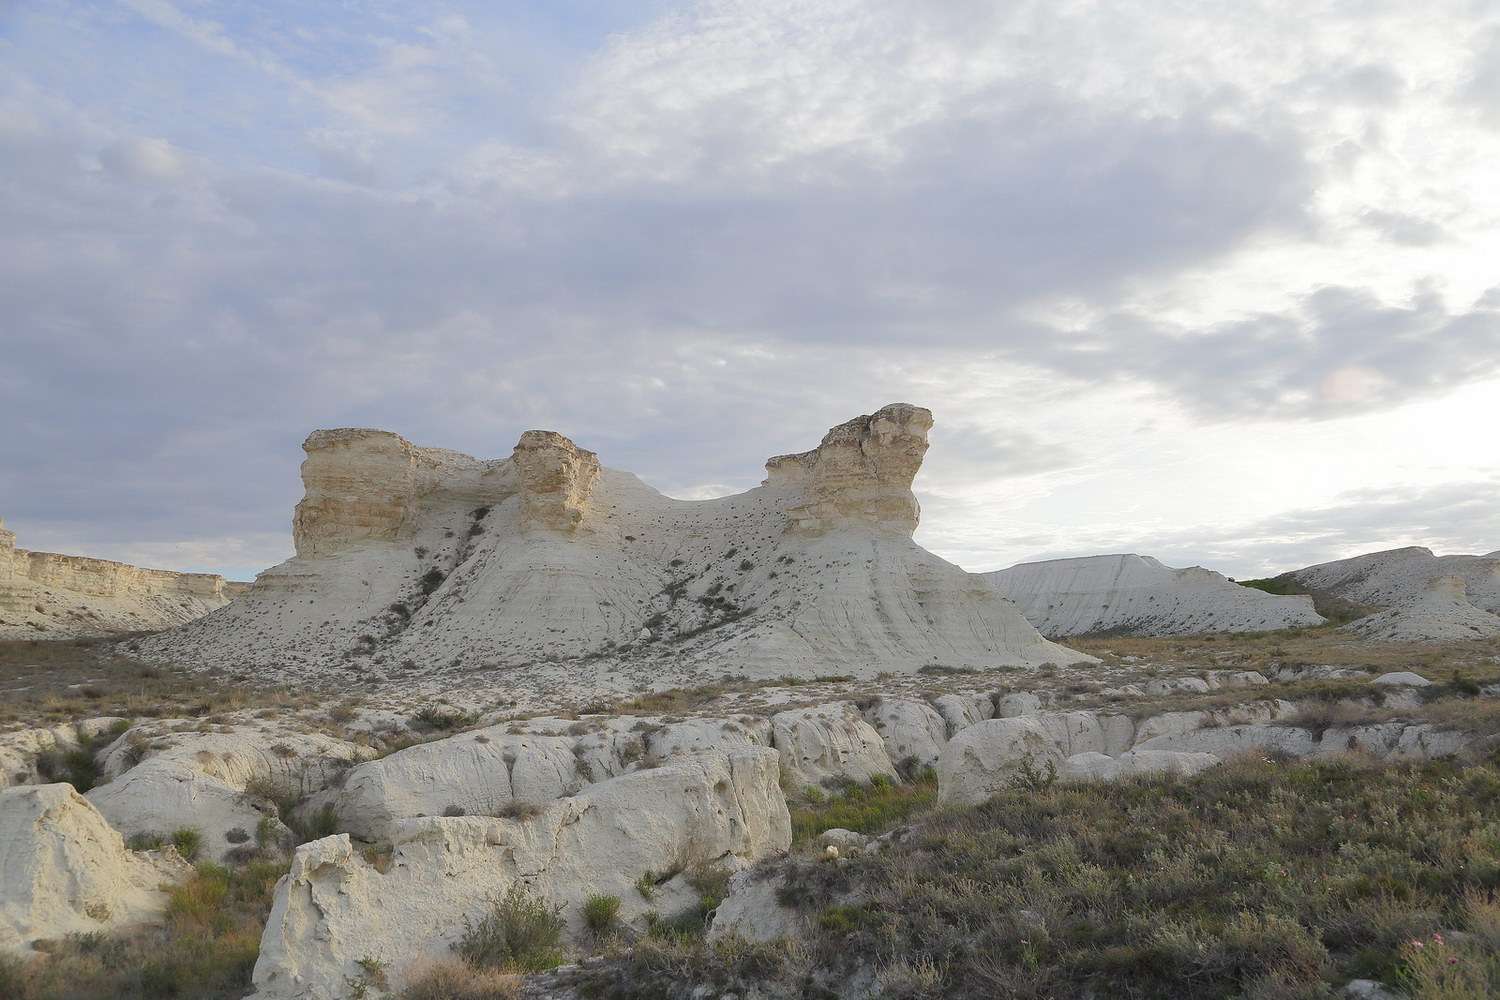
(601,913)
(1257,879)
(872,808)
(519,934)
(204,950)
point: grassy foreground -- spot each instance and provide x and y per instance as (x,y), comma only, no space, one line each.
(1262,879)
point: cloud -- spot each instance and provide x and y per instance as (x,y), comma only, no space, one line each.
(695,240)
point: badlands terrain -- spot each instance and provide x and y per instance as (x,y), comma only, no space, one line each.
(527,728)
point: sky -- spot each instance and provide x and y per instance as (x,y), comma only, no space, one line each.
(1216,281)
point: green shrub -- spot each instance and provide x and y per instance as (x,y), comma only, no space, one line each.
(601,913)
(871,809)
(189,842)
(519,933)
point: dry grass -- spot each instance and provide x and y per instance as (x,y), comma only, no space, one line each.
(45,682)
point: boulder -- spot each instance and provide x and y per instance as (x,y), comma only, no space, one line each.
(479,773)
(989,756)
(1017,703)
(831,741)
(336,908)
(63,870)
(214,782)
(911,729)
(960,711)
(1402,678)
(753,909)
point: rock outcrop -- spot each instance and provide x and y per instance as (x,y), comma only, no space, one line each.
(336,907)
(1441,613)
(1137,595)
(46,595)
(418,561)
(218,783)
(1385,579)
(63,870)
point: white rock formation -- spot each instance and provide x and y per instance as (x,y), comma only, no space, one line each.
(1441,613)
(1132,763)
(828,741)
(1137,595)
(21,750)
(162,781)
(752,910)
(1385,579)
(1387,740)
(479,773)
(1402,678)
(989,756)
(911,729)
(336,908)
(420,559)
(46,595)
(63,870)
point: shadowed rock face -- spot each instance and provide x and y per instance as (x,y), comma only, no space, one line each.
(431,561)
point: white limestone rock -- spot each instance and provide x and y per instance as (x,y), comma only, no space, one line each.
(1220,679)
(988,756)
(47,595)
(1017,703)
(1137,595)
(547,565)
(335,908)
(63,870)
(208,781)
(911,729)
(1159,686)
(1441,613)
(479,773)
(1389,741)
(699,734)
(752,910)
(1102,767)
(1392,577)
(1402,678)
(828,741)
(963,710)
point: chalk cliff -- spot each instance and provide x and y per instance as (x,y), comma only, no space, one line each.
(419,561)
(1138,595)
(47,595)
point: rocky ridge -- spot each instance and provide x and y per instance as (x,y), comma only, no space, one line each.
(416,563)
(1130,594)
(47,595)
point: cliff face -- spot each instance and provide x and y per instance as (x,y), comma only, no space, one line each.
(1137,595)
(44,594)
(418,561)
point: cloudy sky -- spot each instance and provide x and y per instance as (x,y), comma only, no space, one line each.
(1213,280)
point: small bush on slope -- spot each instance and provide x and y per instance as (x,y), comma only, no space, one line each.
(205,950)
(1254,880)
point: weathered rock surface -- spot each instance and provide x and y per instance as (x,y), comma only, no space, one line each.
(752,911)
(1137,595)
(1132,763)
(63,870)
(335,908)
(828,741)
(22,750)
(1441,613)
(911,729)
(1385,579)
(480,773)
(1388,740)
(162,781)
(47,595)
(988,756)
(418,561)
